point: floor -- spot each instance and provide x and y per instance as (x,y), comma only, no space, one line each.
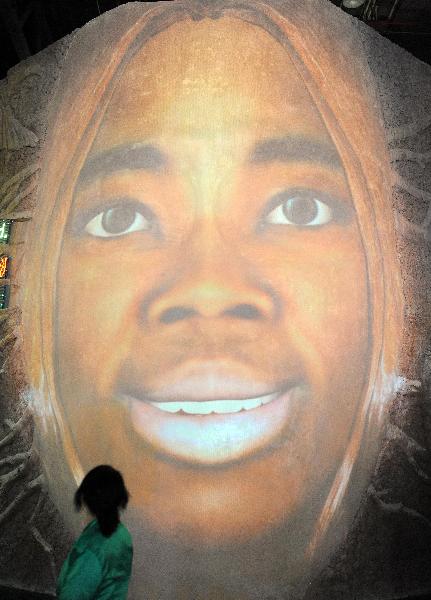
(15,594)
(7,593)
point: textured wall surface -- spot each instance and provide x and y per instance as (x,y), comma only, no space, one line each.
(213,203)
(32,548)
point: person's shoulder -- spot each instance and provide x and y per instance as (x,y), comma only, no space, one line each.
(87,536)
(118,546)
(92,539)
(85,546)
(123,533)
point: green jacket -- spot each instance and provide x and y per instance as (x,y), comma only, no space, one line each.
(97,567)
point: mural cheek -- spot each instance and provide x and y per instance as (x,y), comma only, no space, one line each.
(90,342)
(325,324)
(100,294)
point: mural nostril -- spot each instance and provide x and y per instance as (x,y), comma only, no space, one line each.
(177,313)
(244,311)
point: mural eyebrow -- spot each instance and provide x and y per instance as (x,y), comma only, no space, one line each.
(121,158)
(295,149)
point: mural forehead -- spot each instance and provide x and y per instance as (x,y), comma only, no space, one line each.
(168,84)
(218,309)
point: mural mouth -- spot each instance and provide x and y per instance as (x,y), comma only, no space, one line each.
(217,430)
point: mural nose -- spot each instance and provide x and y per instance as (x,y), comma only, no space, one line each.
(211,300)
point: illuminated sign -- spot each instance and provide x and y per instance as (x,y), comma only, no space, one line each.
(5,225)
(3,265)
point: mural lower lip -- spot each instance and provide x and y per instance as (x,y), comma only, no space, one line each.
(213,438)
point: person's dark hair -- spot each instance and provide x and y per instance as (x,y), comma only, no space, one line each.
(103,492)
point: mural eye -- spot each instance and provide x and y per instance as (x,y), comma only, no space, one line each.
(120,220)
(300,208)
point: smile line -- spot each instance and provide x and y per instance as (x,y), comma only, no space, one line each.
(219,407)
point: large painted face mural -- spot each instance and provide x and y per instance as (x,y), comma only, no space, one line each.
(233,344)
(215,238)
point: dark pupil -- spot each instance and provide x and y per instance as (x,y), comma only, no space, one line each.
(300,211)
(118,220)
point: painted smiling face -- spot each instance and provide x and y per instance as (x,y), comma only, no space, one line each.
(212,294)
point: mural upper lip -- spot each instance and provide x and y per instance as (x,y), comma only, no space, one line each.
(206,380)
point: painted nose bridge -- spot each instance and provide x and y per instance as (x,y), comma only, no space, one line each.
(216,282)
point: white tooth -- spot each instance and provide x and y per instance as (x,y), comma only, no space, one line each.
(213,406)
